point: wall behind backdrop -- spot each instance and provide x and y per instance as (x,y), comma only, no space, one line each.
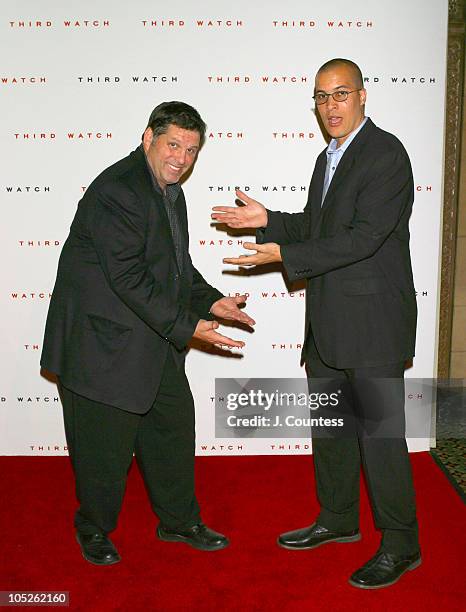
(78,82)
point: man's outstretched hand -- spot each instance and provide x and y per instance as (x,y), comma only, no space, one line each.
(251,214)
(265,253)
(205,332)
(227,308)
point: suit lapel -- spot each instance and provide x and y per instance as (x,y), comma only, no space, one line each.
(345,165)
(342,170)
(144,182)
(316,189)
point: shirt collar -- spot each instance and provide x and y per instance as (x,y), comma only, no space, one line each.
(172,190)
(333,146)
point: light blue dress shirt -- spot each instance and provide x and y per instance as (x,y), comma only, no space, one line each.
(334,154)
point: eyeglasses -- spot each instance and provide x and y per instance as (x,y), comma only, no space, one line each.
(339,96)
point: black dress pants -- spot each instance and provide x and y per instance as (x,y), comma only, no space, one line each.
(102,440)
(371,403)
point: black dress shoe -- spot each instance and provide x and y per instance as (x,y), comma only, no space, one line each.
(97,548)
(384,569)
(198,536)
(313,536)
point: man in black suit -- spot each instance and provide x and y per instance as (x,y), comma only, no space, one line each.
(351,244)
(126,303)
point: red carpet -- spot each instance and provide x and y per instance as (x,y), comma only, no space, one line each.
(252,499)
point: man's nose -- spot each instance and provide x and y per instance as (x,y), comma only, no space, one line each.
(181,156)
(330,103)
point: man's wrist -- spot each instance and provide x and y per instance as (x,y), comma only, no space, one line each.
(213,304)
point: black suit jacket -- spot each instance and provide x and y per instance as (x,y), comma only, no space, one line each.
(120,302)
(354,253)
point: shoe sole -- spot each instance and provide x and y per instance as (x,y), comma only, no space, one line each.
(412,567)
(93,561)
(344,540)
(165,537)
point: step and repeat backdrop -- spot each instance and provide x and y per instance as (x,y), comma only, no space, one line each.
(78,82)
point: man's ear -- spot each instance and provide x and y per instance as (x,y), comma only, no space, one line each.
(147,138)
(362,97)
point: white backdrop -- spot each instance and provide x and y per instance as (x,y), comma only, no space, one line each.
(79,80)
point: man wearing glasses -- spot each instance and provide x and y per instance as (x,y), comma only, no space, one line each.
(351,244)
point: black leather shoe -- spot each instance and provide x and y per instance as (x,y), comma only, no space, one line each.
(199,536)
(383,570)
(98,549)
(313,536)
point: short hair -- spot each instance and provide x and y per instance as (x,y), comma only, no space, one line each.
(339,61)
(176,113)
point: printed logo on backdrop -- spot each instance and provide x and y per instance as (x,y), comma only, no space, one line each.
(32,347)
(27,189)
(280,347)
(292,136)
(264,79)
(200,23)
(272,188)
(23,80)
(30,244)
(41,448)
(403,79)
(78,135)
(140,79)
(220,448)
(72,24)
(330,24)
(27,400)
(230,135)
(26,296)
